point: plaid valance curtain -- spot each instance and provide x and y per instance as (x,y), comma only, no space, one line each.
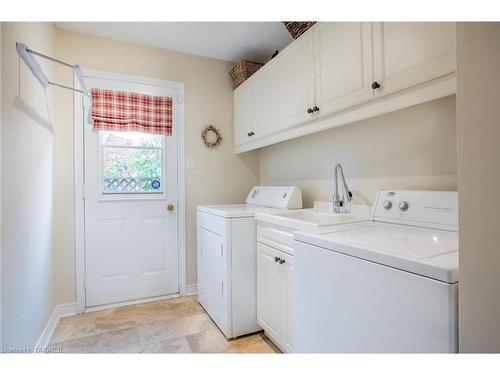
(128,111)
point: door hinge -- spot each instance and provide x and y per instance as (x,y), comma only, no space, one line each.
(84,192)
(85,283)
(222,251)
(222,286)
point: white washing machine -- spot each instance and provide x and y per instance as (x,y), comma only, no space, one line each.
(389,285)
(227,256)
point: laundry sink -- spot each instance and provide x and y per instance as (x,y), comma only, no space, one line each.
(320,216)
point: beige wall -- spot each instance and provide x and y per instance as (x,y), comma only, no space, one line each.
(219,176)
(478,108)
(414,148)
(27,169)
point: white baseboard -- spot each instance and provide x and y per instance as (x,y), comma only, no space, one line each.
(191,289)
(60,311)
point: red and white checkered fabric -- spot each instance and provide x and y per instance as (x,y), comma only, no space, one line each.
(128,111)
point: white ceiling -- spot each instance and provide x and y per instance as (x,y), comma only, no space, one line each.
(231,41)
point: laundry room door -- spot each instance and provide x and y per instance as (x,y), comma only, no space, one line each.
(130,195)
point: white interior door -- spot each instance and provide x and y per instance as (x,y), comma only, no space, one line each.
(131,238)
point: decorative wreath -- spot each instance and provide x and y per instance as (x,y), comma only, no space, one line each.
(211,136)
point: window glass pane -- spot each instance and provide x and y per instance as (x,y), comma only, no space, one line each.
(131,170)
(130,139)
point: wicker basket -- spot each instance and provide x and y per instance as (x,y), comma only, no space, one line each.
(296,29)
(242,71)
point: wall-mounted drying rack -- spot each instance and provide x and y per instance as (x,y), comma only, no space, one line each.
(27,55)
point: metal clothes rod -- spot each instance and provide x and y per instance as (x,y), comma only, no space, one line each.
(67,87)
(27,55)
(50,58)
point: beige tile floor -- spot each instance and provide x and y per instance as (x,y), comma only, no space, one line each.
(178,325)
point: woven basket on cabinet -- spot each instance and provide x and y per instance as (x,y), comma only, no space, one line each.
(296,29)
(242,71)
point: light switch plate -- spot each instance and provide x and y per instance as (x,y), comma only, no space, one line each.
(190,162)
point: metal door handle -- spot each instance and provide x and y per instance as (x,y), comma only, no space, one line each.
(276,259)
(281,261)
(170,206)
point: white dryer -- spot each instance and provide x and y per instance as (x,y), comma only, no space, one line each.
(227,256)
(388,285)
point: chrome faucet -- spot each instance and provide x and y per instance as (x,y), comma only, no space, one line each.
(341,205)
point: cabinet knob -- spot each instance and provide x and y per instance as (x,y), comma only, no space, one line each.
(375,85)
(250,134)
(315,109)
(277,259)
(281,261)
(310,110)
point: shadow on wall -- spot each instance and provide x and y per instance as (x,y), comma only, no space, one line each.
(20,104)
(25,107)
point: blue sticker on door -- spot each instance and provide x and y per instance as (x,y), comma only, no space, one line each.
(155,184)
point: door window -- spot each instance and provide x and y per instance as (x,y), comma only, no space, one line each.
(132,163)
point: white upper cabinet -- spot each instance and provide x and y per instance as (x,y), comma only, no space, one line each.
(295,85)
(343,57)
(343,72)
(255,105)
(264,100)
(410,53)
(243,116)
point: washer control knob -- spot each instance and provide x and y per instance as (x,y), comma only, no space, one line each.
(387,205)
(403,206)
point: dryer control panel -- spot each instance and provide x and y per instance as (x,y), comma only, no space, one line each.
(286,197)
(431,209)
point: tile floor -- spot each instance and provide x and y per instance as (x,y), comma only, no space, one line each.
(178,325)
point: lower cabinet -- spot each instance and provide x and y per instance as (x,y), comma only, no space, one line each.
(274,295)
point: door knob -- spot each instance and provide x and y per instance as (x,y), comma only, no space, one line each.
(250,134)
(310,110)
(375,85)
(315,108)
(281,261)
(170,207)
(276,259)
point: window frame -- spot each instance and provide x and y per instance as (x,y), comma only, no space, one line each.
(131,196)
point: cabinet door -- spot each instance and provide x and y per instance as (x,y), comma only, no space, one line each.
(270,292)
(288,336)
(263,87)
(344,69)
(255,105)
(295,85)
(409,53)
(243,114)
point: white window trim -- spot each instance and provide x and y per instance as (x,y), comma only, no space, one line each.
(79,178)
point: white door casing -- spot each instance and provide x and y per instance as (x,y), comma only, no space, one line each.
(133,246)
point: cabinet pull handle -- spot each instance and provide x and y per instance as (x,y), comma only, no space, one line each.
(251,134)
(276,259)
(281,261)
(375,85)
(315,109)
(310,110)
